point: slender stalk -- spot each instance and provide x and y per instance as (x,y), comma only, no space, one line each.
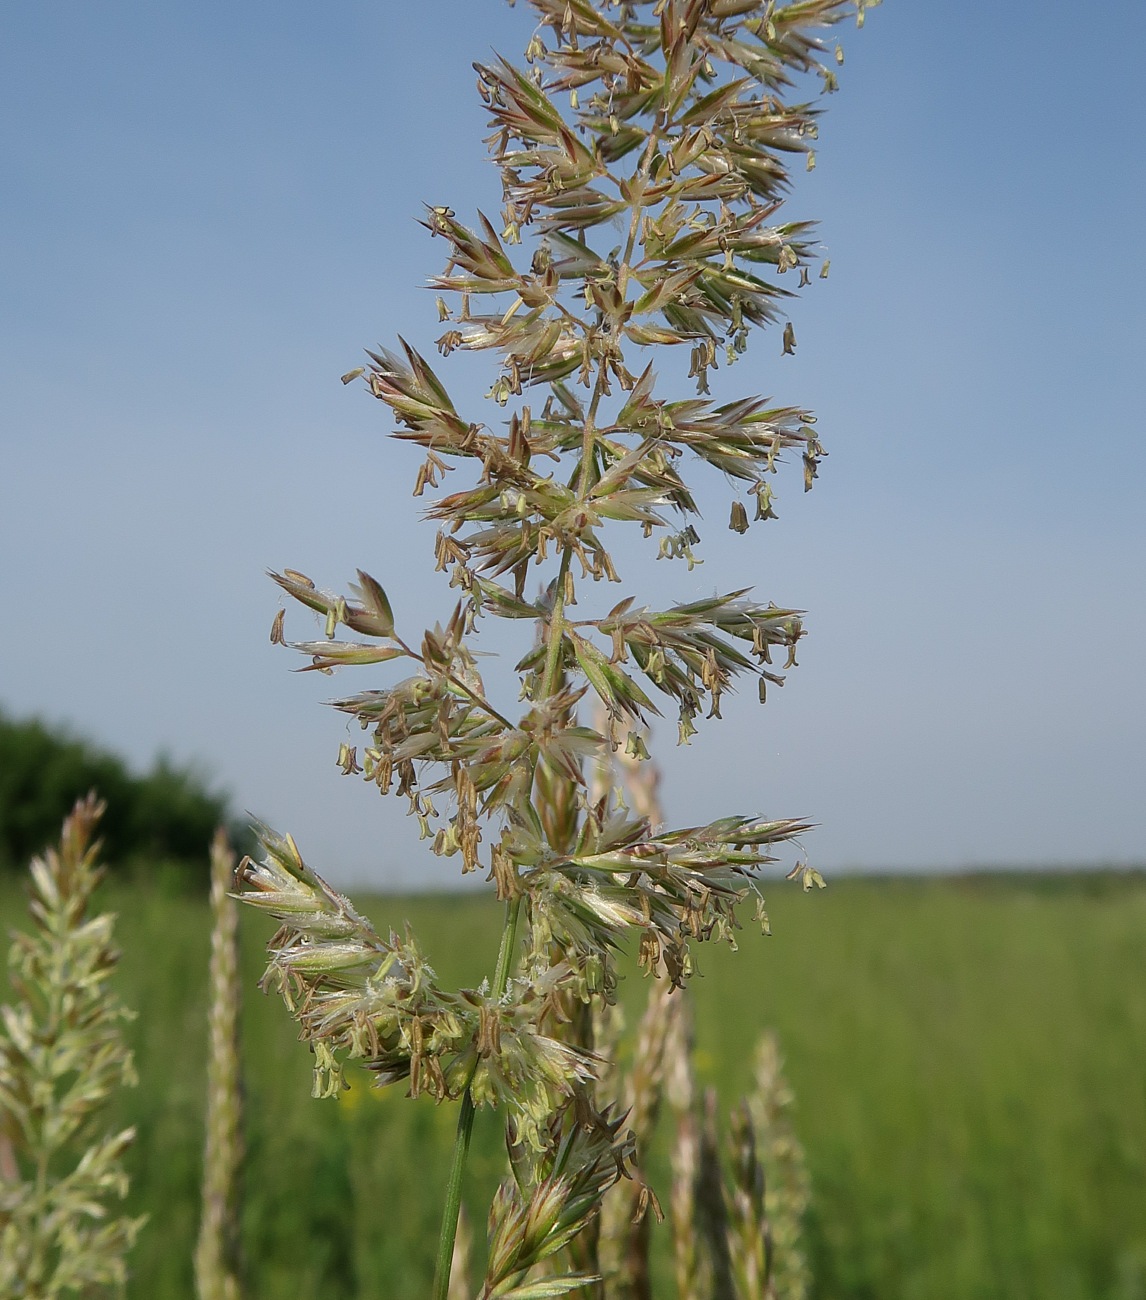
(216,1275)
(453,1199)
(449,1232)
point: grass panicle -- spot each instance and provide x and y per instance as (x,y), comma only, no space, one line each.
(644,153)
(62,1057)
(768,1121)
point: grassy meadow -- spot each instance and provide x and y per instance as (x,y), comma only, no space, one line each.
(968,1057)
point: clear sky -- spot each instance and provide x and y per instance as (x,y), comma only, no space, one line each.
(208,210)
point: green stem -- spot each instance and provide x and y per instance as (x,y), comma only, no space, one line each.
(453,1199)
(449,1232)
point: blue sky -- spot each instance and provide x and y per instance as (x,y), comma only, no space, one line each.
(209,210)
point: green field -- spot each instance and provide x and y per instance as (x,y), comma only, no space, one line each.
(968,1056)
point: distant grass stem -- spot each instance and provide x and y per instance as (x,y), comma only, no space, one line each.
(216,1275)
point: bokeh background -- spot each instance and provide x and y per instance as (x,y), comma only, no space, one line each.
(210,210)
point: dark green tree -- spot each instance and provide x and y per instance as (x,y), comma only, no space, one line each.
(169,815)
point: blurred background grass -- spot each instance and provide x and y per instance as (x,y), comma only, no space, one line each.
(968,1056)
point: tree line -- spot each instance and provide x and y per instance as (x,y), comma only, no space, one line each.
(168,815)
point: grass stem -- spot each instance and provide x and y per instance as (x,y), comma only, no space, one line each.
(465,1127)
(453,1199)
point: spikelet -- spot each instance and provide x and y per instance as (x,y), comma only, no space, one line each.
(539,1211)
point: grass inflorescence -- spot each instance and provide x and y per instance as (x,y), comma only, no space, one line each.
(62,1058)
(644,150)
